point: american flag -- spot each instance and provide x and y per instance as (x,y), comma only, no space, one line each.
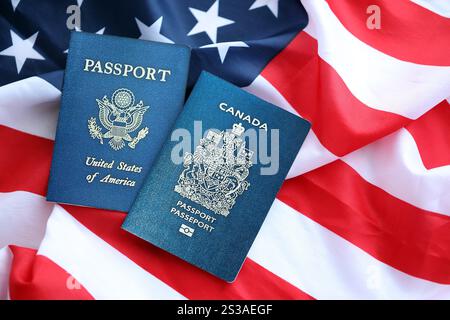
(365,211)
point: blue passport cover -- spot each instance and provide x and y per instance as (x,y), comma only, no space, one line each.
(207,206)
(120,99)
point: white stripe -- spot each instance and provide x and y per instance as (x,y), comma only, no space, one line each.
(376,79)
(263,89)
(102,270)
(440,7)
(326,266)
(5,269)
(312,153)
(23,216)
(394,165)
(30,105)
(289,245)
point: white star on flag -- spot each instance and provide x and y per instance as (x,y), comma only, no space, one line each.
(209,21)
(271,4)
(22,50)
(223,47)
(152,32)
(14,4)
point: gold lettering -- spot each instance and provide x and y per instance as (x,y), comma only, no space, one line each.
(97,67)
(125,70)
(108,68)
(151,74)
(117,69)
(243,116)
(87,64)
(164,73)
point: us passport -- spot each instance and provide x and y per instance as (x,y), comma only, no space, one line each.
(120,99)
(210,189)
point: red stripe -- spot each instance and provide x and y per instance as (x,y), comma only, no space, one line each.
(406,29)
(24,162)
(407,238)
(30,156)
(341,122)
(253,282)
(432,135)
(35,277)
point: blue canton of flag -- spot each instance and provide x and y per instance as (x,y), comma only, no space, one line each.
(233,39)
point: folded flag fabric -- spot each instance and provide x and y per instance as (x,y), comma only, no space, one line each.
(365,211)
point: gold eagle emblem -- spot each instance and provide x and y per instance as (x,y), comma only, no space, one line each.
(119,117)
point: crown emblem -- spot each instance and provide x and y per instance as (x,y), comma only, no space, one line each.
(215,175)
(119,117)
(238,129)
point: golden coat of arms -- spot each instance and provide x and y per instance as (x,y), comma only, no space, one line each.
(119,117)
(215,175)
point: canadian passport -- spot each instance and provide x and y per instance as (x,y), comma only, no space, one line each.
(211,187)
(120,99)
